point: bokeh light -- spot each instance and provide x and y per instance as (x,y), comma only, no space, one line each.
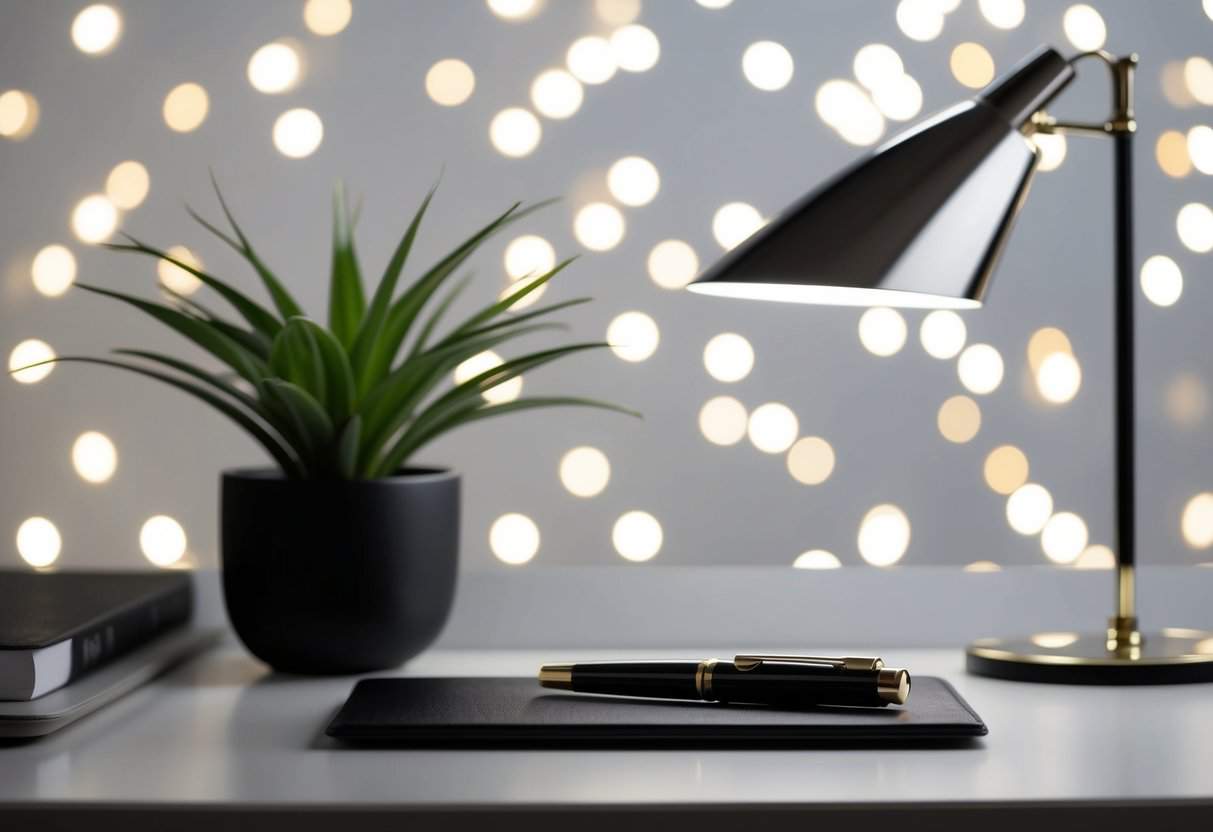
(274,68)
(1096,556)
(590,60)
(920,20)
(515,132)
(482,362)
(28,352)
(672,264)
(900,100)
(734,222)
(981,567)
(767,65)
(1052,148)
(1029,507)
(723,420)
(514,538)
(599,226)
(1194,224)
(94,457)
(1196,523)
(1059,378)
(556,93)
(53,270)
(773,427)
(450,82)
(127,185)
(1200,148)
(514,9)
(1002,14)
(980,369)
(633,336)
(1043,343)
(1187,400)
(635,48)
(1064,537)
(297,133)
(637,536)
(959,419)
(633,180)
(884,535)
(1161,280)
(529,256)
(1084,27)
(585,471)
(162,540)
(817,559)
(877,65)
(185,107)
(728,357)
(882,331)
(811,460)
(176,278)
(1171,151)
(94,218)
(1198,78)
(18,114)
(38,542)
(617,12)
(943,334)
(327,17)
(972,65)
(96,29)
(844,106)
(1005,469)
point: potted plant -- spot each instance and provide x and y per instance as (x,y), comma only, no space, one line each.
(342,558)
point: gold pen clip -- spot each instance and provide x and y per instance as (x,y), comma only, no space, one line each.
(749,661)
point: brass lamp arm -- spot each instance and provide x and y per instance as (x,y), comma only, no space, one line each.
(1120,121)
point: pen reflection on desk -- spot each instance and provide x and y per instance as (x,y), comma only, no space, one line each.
(758,679)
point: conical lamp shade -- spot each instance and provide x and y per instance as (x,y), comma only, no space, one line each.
(920,222)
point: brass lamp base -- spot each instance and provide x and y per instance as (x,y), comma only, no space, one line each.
(1172,656)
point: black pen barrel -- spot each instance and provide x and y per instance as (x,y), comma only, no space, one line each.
(795,685)
(666,680)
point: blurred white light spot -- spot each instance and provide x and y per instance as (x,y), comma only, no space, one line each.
(450,82)
(529,255)
(18,114)
(959,419)
(773,427)
(633,336)
(817,559)
(514,538)
(94,219)
(617,12)
(1171,152)
(1054,641)
(38,542)
(556,93)
(297,133)
(672,264)
(1197,521)
(513,9)
(1002,14)
(599,226)
(723,420)
(884,535)
(1198,78)
(734,222)
(30,351)
(635,48)
(811,460)
(274,68)
(1005,469)
(1161,280)
(900,100)
(585,471)
(1064,537)
(1194,223)
(127,185)
(637,536)
(1029,507)
(590,60)
(53,270)
(1084,27)
(972,65)
(185,107)
(1059,378)
(327,17)
(982,566)
(1200,148)
(767,65)
(1207,5)
(1096,556)
(980,369)
(1188,400)
(482,362)
(882,331)
(515,132)
(942,334)
(877,65)
(920,20)
(94,457)
(1043,343)
(633,180)
(728,357)
(846,107)
(162,540)
(96,29)
(720,4)
(1052,148)
(176,278)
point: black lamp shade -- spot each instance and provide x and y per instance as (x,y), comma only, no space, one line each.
(919,223)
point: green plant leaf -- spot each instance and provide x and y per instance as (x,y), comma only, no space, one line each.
(198,373)
(436,316)
(346,462)
(346,301)
(249,366)
(494,309)
(408,444)
(253,341)
(257,316)
(276,448)
(307,418)
(309,355)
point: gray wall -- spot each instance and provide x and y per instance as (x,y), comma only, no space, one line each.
(715,139)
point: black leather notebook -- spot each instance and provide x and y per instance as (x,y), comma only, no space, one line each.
(517,713)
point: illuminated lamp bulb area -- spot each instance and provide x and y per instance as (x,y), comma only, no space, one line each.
(186,107)
(728,357)
(1194,224)
(637,536)
(94,457)
(723,421)
(514,539)
(943,334)
(53,270)
(515,132)
(1171,152)
(811,460)
(1064,537)
(585,471)
(971,65)
(1052,147)
(557,94)
(882,331)
(634,181)
(1084,27)
(297,133)
(599,226)
(1196,523)
(767,65)
(1200,148)
(1006,469)
(94,219)
(1059,378)
(162,540)
(450,82)
(590,60)
(127,185)
(672,264)
(635,48)
(884,535)
(980,369)
(959,419)
(773,427)
(327,17)
(38,542)
(274,68)
(96,29)
(18,114)
(633,336)
(1029,508)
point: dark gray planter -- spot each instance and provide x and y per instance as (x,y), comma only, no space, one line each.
(331,577)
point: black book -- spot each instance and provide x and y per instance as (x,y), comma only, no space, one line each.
(57,626)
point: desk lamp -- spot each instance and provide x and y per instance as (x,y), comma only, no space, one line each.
(920,223)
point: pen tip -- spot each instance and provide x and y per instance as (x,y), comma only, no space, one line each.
(558,676)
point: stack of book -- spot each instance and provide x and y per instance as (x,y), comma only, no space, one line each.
(57,627)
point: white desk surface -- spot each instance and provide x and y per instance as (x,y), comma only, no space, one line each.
(222,731)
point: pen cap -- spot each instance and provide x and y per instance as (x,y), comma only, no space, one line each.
(893,685)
